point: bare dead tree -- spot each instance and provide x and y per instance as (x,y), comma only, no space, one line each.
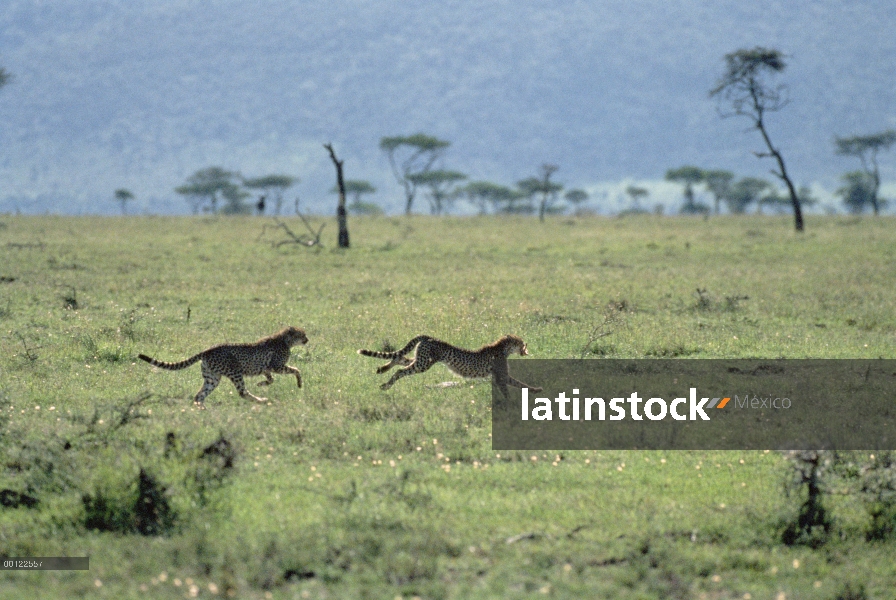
(341,212)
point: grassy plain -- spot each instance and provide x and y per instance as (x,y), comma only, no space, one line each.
(340,490)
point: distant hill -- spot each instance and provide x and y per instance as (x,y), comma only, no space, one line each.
(142,93)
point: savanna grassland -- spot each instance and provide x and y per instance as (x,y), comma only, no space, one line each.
(340,490)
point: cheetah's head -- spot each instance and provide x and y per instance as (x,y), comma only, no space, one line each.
(514,344)
(293,336)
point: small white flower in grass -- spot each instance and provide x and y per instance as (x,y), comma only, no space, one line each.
(97,583)
(663,460)
(816,585)
(796,563)
(163,576)
(716,578)
(177,582)
(213,588)
(144,587)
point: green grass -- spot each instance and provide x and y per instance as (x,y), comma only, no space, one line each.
(341,490)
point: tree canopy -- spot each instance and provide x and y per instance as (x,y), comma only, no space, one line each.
(410,156)
(543,186)
(275,184)
(440,184)
(689,175)
(207,184)
(865,148)
(123,196)
(718,182)
(857,192)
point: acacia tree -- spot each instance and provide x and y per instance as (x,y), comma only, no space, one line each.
(357,188)
(636,193)
(481,194)
(123,195)
(274,185)
(442,187)
(718,182)
(411,156)
(207,184)
(689,176)
(744,86)
(576,198)
(233,196)
(866,147)
(544,187)
(857,192)
(744,192)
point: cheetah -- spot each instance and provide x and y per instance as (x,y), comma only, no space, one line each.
(234,361)
(488,361)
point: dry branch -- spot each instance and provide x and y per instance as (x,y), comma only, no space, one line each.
(312,238)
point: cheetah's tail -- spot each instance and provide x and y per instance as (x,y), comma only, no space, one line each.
(171,366)
(408,347)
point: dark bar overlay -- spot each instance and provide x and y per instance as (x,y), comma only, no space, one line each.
(713,404)
(46,563)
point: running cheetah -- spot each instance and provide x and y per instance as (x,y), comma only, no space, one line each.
(488,361)
(267,355)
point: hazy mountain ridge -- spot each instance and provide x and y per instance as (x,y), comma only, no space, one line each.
(141,94)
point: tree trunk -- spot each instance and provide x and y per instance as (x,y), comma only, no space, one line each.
(341,213)
(782,174)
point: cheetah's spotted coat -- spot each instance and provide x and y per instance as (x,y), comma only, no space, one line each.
(235,361)
(488,361)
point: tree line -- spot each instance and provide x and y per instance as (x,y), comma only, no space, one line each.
(747,89)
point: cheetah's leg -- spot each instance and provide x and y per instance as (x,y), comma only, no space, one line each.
(211,381)
(398,360)
(520,384)
(268,379)
(418,365)
(241,388)
(286,370)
